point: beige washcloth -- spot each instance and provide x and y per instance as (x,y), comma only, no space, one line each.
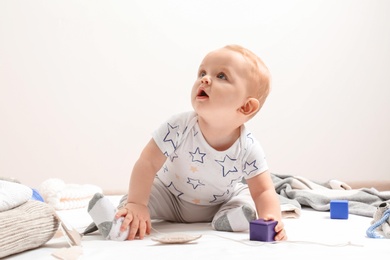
(63,196)
(27,226)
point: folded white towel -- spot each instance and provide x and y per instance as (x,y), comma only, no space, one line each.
(13,194)
(62,196)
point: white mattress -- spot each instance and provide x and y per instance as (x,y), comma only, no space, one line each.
(311,235)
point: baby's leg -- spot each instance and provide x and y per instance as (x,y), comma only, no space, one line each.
(103,212)
(163,205)
(235,214)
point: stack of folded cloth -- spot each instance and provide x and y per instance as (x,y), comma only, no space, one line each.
(25,221)
(64,196)
(13,194)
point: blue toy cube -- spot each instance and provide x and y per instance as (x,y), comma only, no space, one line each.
(339,209)
(260,230)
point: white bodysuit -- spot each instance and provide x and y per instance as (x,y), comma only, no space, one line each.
(197,173)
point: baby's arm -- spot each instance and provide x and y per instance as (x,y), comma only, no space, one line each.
(266,200)
(136,211)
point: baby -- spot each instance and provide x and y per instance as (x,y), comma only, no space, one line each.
(193,167)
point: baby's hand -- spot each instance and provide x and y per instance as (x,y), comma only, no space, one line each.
(280,232)
(279,229)
(137,218)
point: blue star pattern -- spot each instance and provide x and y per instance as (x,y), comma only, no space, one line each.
(171,187)
(227,164)
(173,133)
(197,156)
(219,198)
(250,137)
(234,181)
(249,167)
(173,156)
(194,182)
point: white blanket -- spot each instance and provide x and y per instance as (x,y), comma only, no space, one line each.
(311,235)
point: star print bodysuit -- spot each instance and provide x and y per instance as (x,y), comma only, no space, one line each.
(197,173)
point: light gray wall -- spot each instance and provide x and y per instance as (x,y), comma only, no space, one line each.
(84,83)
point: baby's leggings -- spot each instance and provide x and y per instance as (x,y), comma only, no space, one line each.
(163,205)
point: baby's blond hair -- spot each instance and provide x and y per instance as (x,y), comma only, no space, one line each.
(259,74)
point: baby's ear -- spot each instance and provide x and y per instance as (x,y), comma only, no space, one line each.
(251,106)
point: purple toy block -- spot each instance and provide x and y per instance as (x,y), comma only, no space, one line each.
(339,209)
(260,230)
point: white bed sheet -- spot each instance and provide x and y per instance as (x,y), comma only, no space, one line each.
(311,235)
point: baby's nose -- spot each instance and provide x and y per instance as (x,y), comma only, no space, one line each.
(206,80)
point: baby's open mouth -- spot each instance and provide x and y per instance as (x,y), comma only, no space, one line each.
(202,93)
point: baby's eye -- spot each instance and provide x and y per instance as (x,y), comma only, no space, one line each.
(202,74)
(221,75)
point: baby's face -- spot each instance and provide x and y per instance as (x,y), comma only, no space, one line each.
(221,85)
